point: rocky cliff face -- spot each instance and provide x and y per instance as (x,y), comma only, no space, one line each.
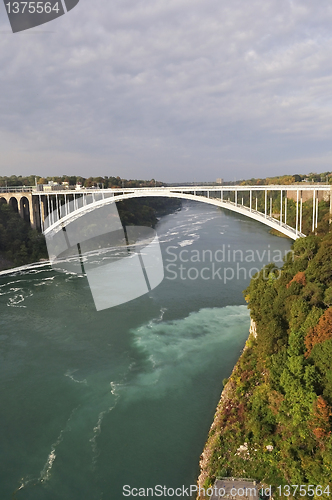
(253,328)
(225,406)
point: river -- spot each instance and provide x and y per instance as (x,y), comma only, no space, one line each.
(93,401)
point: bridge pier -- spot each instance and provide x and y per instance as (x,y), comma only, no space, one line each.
(265,203)
(297,212)
(24,204)
(313,210)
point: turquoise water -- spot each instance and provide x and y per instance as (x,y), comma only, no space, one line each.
(92,401)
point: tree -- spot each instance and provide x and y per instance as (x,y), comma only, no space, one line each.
(320,333)
(320,420)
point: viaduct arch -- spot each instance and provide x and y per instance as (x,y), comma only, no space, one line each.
(25,204)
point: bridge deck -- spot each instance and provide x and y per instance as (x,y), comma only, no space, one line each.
(49,207)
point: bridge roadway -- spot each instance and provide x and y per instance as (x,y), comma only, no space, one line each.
(49,210)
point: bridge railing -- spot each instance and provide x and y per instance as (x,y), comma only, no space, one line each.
(268,217)
(17,189)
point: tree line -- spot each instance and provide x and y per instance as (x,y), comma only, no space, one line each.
(73,180)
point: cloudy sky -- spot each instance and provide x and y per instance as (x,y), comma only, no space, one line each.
(169,89)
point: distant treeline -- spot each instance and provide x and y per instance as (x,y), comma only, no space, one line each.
(118,182)
(73,180)
(325,177)
(20,245)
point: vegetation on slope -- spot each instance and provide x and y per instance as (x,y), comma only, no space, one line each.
(144,211)
(20,245)
(274,420)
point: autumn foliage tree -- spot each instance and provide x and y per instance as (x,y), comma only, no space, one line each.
(298,278)
(321,332)
(320,421)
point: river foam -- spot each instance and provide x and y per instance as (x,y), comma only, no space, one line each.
(178,350)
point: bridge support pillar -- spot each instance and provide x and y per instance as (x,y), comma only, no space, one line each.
(66,206)
(316,223)
(297,212)
(265,203)
(313,210)
(301,213)
(34,214)
(26,207)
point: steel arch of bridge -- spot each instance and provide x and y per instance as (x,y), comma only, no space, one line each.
(59,214)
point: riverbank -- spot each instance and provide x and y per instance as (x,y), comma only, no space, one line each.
(273,421)
(5,263)
(225,406)
(277,233)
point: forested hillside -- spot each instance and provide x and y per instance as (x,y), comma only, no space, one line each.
(273,422)
(19,244)
(144,211)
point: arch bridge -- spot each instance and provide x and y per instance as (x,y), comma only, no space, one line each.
(49,210)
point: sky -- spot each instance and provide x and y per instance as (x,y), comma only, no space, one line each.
(176,90)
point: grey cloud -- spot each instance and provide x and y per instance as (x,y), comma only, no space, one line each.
(176,89)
